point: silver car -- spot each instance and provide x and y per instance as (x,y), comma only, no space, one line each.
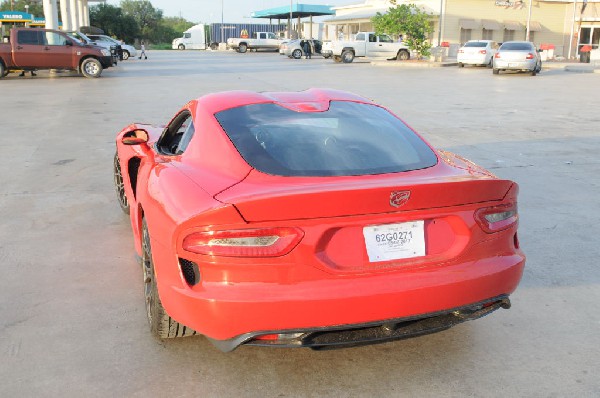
(517,56)
(127,50)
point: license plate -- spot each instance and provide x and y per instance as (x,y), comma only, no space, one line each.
(395,241)
(512,65)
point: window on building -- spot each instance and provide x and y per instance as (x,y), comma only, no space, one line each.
(487,34)
(465,35)
(509,35)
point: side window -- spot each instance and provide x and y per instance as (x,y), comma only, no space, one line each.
(262,35)
(54,39)
(372,38)
(187,35)
(271,35)
(385,39)
(360,37)
(29,37)
(177,135)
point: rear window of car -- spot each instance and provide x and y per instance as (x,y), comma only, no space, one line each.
(475,44)
(516,47)
(348,139)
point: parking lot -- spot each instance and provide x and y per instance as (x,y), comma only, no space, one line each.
(72,316)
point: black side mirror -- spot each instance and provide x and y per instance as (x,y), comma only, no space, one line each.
(69,43)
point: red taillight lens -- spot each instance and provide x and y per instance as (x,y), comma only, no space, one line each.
(461,51)
(263,242)
(497,218)
(497,55)
(482,52)
(529,56)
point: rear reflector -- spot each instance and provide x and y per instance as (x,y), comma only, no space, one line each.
(497,218)
(263,242)
(482,52)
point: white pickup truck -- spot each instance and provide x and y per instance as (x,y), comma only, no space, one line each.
(260,41)
(366,44)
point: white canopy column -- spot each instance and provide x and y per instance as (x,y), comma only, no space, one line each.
(50,13)
(65,13)
(74,14)
(80,17)
(86,13)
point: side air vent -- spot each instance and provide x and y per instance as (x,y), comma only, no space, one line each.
(133,166)
(190,272)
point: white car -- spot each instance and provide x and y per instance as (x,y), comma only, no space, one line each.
(477,52)
(127,50)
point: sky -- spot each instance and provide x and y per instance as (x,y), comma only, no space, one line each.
(207,11)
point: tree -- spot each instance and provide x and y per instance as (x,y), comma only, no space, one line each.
(19,5)
(147,17)
(408,20)
(112,21)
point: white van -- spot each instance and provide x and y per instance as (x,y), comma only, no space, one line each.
(193,39)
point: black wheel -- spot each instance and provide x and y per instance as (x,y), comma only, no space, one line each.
(538,68)
(3,70)
(461,65)
(243,48)
(347,56)
(161,324)
(214,46)
(491,63)
(125,55)
(120,185)
(297,54)
(495,71)
(181,47)
(91,67)
(533,72)
(403,55)
(337,58)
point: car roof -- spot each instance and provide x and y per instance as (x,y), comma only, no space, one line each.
(309,100)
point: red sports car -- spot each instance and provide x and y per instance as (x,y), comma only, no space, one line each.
(312,219)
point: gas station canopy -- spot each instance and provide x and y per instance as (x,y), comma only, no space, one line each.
(297,11)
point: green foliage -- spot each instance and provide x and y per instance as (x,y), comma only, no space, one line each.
(19,5)
(177,24)
(147,17)
(112,21)
(407,20)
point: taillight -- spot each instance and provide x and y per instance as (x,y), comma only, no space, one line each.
(497,218)
(461,51)
(497,55)
(529,56)
(260,242)
(482,52)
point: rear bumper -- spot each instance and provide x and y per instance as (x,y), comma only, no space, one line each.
(515,65)
(237,312)
(479,59)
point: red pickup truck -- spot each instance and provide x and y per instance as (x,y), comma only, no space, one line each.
(33,49)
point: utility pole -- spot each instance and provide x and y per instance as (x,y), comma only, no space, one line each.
(528,21)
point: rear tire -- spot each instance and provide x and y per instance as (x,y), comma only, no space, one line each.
(120,185)
(3,70)
(347,56)
(403,55)
(161,324)
(91,67)
(297,54)
(181,47)
(242,48)
(461,65)
(533,73)
(214,46)
(495,71)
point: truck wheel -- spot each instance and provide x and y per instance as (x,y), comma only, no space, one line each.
(347,56)
(496,71)
(3,70)
(242,48)
(125,55)
(181,47)
(337,58)
(297,54)
(403,55)
(91,67)
(214,46)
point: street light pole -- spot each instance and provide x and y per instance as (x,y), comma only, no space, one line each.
(528,21)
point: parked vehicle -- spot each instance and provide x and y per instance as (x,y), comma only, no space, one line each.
(294,49)
(477,52)
(33,49)
(518,56)
(127,50)
(115,49)
(283,47)
(204,36)
(260,41)
(333,224)
(367,44)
